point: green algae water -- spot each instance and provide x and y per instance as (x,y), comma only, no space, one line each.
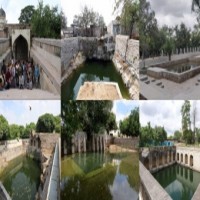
(99,176)
(92,71)
(21,178)
(179,182)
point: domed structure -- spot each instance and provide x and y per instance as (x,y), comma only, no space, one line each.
(2,13)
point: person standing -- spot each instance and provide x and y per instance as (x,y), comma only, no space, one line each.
(3,71)
(36,75)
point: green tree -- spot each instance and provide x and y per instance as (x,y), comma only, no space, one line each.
(46,21)
(111,123)
(177,135)
(45,123)
(4,128)
(26,14)
(188,136)
(28,129)
(14,131)
(168,47)
(185,112)
(57,121)
(129,15)
(130,126)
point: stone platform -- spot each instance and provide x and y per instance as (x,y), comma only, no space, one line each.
(99,91)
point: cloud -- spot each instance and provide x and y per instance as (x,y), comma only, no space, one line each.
(173,12)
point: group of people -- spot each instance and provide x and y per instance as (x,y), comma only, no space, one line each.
(19,74)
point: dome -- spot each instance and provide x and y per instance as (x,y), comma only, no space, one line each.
(2,13)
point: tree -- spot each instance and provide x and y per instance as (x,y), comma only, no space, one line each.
(45,123)
(130,126)
(14,131)
(177,135)
(168,47)
(195,5)
(4,128)
(63,20)
(28,129)
(185,111)
(89,116)
(111,123)
(26,14)
(129,15)
(57,121)
(86,18)
(46,21)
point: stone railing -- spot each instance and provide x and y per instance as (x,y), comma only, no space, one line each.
(50,189)
(46,53)
(3,193)
(197,193)
(150,189)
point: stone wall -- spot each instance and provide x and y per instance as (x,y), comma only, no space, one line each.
(126,60)
(11,150)
(150,189)
(156,158)
(46,53)
(76,50)
(5,51)
(130,143)
(188,157)
(3,193)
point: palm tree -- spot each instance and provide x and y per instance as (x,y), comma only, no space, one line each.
(195,4)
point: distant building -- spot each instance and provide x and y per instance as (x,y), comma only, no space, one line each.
(114,28)
(114,133)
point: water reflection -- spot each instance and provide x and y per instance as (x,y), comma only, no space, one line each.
(92,71)
(100,176)
(178,181)
(21,178)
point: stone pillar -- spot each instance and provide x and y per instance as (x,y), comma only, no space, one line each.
(104,145)
(84,143)
(73,148)
(97,140)
(79,145)
(150,161)
(65,147)
(101,143)
(93,143)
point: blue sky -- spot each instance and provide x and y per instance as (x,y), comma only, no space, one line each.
(123,108)
(13,7)
(18,112)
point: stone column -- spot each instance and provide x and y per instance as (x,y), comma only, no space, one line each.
(97,140)
(65,147)
(79,145)
(150,161)
(84,143)
(93,143)
(101,143)
(73,149)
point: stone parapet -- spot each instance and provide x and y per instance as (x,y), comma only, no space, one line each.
(150,189)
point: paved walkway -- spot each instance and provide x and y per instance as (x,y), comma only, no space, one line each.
(152,88)
(27,94)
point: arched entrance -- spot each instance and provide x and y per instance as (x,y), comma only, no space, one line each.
(20,48)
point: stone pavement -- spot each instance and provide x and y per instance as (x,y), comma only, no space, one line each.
(27,94)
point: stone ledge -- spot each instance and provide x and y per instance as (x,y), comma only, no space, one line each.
(99,91)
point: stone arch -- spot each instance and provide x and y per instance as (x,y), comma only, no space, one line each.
(21,39)
(177,156)
(160,158)
(146,162)
(181,157)
(186,159)
(191,161)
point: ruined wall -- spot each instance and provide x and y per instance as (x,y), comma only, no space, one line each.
(130,143)
(126,60)
(10,150)
(5,51)
(46,53)
(76,50)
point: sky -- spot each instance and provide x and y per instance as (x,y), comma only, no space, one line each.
(123,108)
(18,111)
(13,7)
(173,12)
(103,7)
(165,113)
